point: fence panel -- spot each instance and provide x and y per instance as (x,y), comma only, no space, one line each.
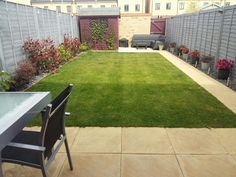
(211,32)
(19,22)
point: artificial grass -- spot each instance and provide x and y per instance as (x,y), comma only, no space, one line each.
(134,89)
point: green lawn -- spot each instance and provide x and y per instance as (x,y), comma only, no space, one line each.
(134,89)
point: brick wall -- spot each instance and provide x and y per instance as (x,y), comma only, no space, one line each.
(86,35)
(130,24)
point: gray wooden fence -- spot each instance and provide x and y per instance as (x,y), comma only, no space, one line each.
(211,32)
(19,22)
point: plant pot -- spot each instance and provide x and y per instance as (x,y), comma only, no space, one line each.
(185,56)
(161,47)
(205,66)
(223,74)
(172,50)
(194,60)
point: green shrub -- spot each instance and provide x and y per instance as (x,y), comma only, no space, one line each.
(65,54)
(5,81)
(83,46)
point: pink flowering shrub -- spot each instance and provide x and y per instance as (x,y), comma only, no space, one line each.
(224,64)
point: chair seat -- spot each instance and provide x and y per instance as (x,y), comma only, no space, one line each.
(19,155)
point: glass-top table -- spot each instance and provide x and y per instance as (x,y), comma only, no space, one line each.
(16,110)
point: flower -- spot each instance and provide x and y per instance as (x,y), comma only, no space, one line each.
(224,63)
(184,50)
(172,45)
(194,54)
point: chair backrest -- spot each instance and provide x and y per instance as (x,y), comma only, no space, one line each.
(53,121)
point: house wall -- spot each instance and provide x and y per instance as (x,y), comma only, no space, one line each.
(86,33)
(74,5)
(131,4)
(130,24)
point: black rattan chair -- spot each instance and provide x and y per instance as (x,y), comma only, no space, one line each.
(38,149)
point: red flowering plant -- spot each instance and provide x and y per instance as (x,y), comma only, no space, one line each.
(172,45)
(184,50)
(224,63)
(43,54)
(71,45)
(194,54)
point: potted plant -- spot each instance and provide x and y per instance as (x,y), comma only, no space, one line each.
(172,46)
(194,55)
(161,46)
(179,50)
(205,61)
(184,52)
(224,67)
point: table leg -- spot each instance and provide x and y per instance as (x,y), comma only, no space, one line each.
(1,172)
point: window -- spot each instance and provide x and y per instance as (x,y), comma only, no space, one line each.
(227,3)
(126,8)
(69,9)
(102,6)
(78,8)
(90,6)
(157,6)
(45,7)
(58,8)
(168,6)
(137,7)
(205,3)
(181,6)
(113,5)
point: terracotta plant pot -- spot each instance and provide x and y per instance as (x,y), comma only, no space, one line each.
(205,66)
(223,74)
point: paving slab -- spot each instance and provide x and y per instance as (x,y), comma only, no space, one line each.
(100,140)
(207,165)
(146,140)
(71,133)
(227,137)
(224,94)
(93,165)
(150,166)
(13,170)
(194,141)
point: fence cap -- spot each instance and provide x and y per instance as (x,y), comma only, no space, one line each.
(95,12)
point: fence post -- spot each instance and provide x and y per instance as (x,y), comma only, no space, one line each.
(27,18)
(2,61)
(213,29)
(231,21)
(58,27)
(36,23)
(220,32)
(18,21)
(196,28)
(71,26)
(12,43)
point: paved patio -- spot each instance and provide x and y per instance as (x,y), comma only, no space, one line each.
(142,152)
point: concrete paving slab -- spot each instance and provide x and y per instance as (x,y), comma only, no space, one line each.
(93,165)
(94,139)
(146,140)
(194,141)
(150,166)
(226,137)
(207,165)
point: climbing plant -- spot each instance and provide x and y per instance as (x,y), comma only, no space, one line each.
(98,29)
